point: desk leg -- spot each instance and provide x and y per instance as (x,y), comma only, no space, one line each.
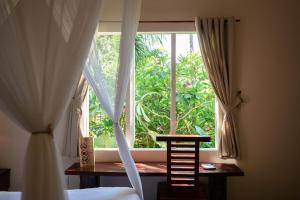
(89,181)
(217,188)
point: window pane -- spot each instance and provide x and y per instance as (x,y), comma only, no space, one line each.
(152,74)
(195,100)
(100,125)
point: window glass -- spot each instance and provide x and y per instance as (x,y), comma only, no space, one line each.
(100,125)
(195,100)
(152,78)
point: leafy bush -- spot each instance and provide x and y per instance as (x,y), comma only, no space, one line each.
(195,99)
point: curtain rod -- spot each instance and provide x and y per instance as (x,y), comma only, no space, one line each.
(162,21)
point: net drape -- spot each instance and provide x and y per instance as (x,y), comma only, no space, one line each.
(111,85)
(44,46)
(75,123)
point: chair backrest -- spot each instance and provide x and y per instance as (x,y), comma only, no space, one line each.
(183,160)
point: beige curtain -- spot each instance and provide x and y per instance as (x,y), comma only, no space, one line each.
(75,126)
(216,38)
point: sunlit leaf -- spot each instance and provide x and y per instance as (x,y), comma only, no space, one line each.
(200,131)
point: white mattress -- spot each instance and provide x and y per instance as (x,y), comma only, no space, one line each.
(101,193)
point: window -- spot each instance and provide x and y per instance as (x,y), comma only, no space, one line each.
(169,91)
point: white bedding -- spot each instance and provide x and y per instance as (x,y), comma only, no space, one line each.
(101,193)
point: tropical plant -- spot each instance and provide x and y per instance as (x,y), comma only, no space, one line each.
(194,95)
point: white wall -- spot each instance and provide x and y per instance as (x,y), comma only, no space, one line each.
(268,73)
(13,141)
(12,149)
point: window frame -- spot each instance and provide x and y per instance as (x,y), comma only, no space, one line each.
(153,154)
(149,154)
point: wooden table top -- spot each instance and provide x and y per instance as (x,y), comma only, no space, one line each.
(148,169)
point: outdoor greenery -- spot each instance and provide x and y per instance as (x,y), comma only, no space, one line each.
(195,99)
(100,125)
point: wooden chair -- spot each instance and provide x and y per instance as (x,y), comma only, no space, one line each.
(182,168)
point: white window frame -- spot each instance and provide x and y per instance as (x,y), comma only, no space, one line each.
(153,154)
(173,118)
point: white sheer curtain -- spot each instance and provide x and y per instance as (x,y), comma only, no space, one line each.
(75,124)
(43,48)
(216,41)
(110,91)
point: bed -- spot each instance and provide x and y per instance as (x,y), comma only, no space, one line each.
(101,193)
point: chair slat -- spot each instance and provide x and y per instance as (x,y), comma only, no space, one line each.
(184,162)
(183,175)
(182,151)
(185,169)
(182,181)
(183,145)
(183,157)
(183,187)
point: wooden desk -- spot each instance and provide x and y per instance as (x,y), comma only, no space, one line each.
(90,177)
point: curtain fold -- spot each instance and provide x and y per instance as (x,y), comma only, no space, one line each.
(44,45)
(111,85)
(216,41)
(75,126)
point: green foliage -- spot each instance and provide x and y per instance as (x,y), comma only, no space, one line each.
(195,98)
(194,95)
(152,76)
(100,125)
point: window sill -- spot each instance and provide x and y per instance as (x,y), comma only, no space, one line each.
(148,155)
